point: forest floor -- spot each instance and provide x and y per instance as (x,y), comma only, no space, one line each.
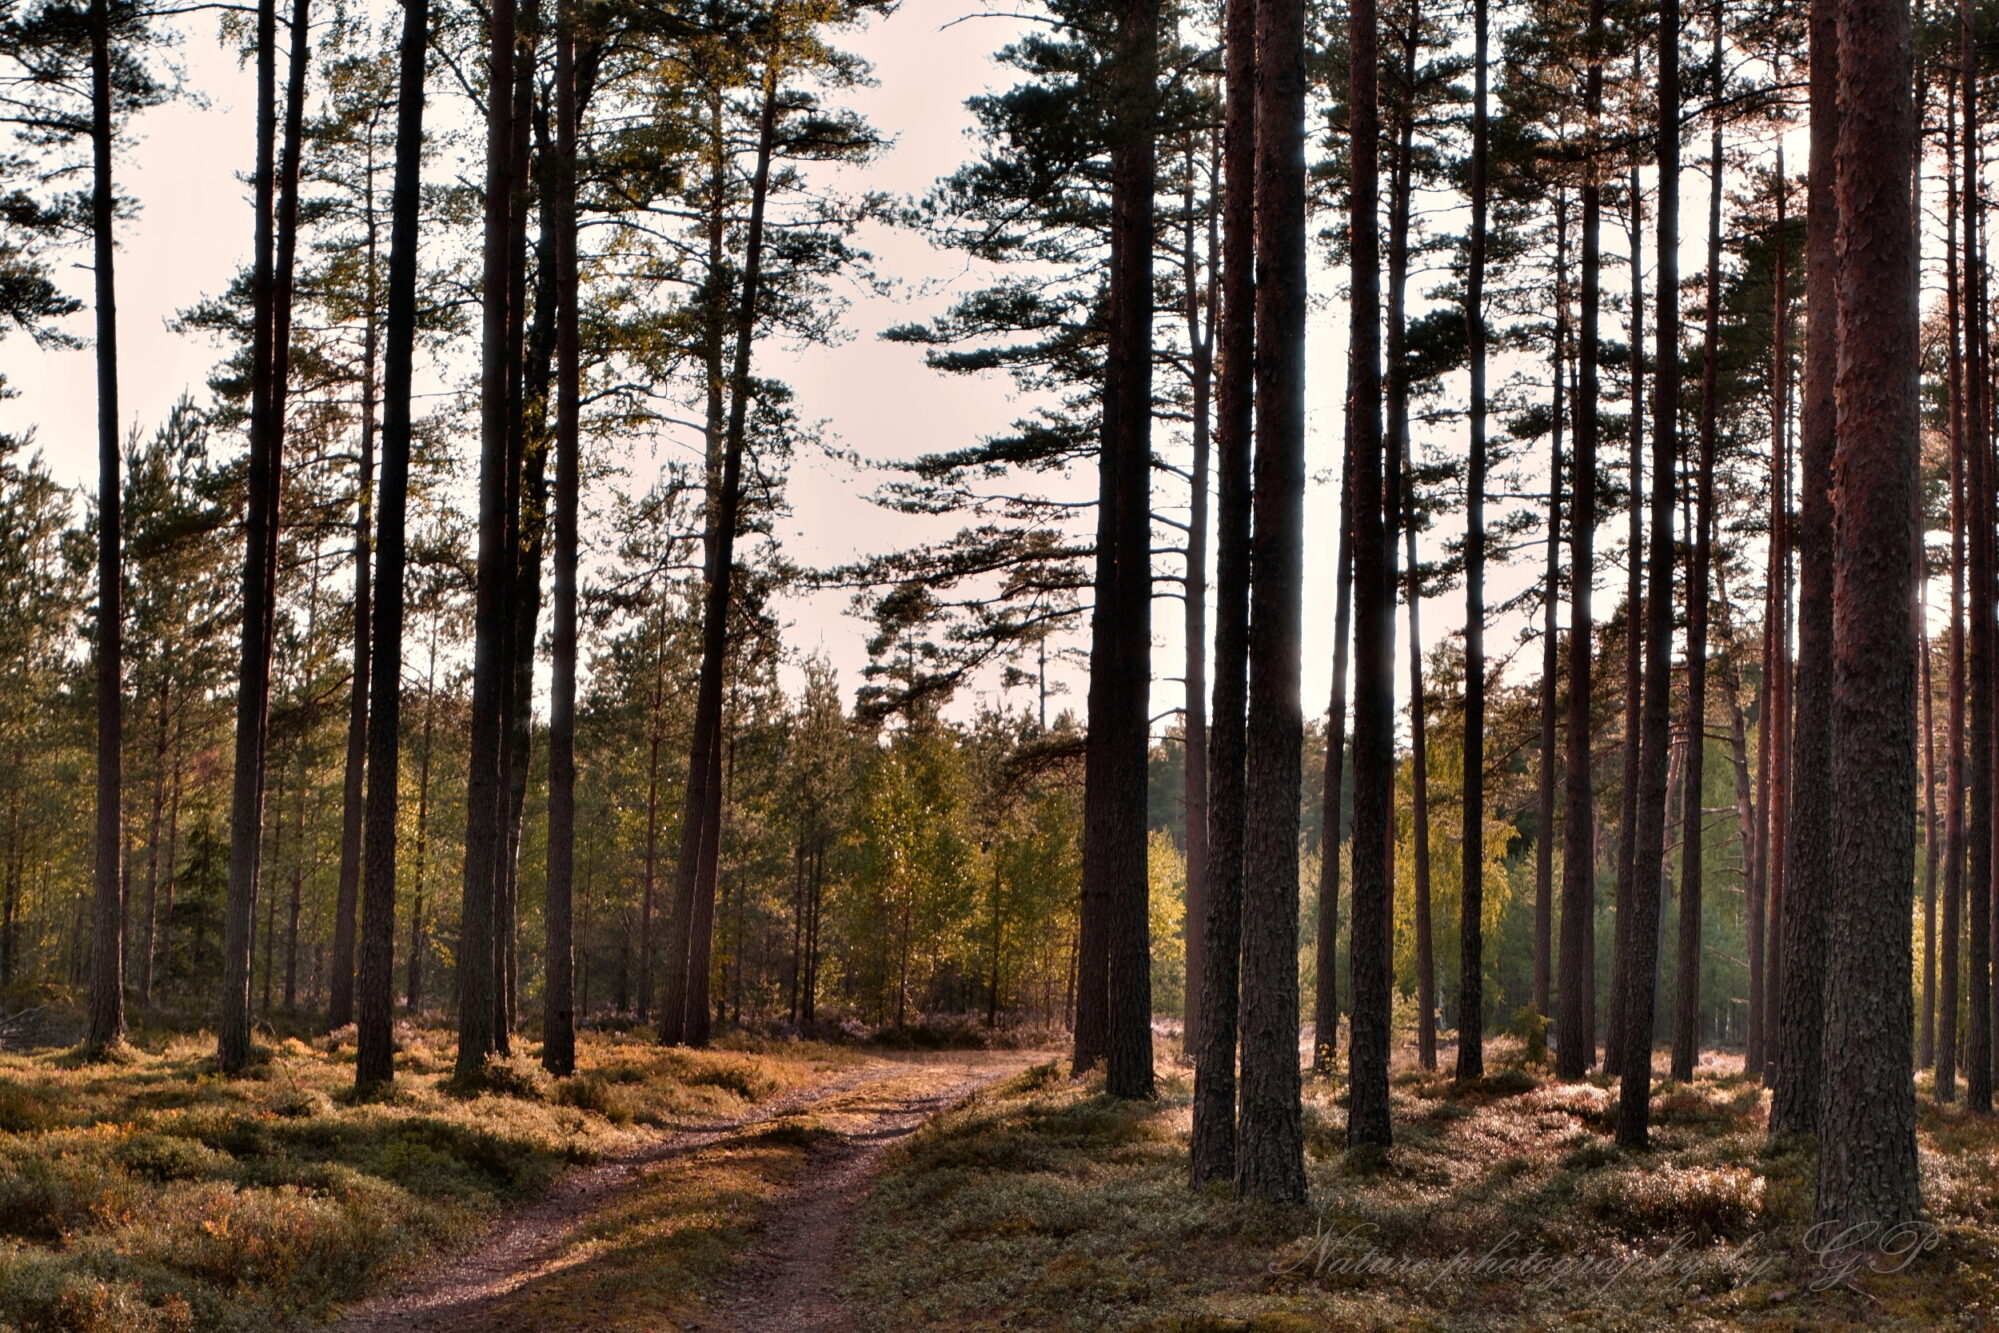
(1043,1204)
(148,1193)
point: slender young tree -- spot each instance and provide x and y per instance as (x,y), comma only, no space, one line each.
(1687,981)
(1634,639)
(1945,1082)
(478,982)
(1128,422)
(1212,1150)
(271,299)
(1194,722)
(1326,994)
(1471,902)
(1809,865)
(1374,666)
(683,1011)
(107,957)
(1551,656)
(1979,738)
(1575,1041)
(1270,1162)
(1655,740)
(376,982)
(1867,1173)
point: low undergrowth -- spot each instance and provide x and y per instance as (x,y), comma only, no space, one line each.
(1047,1205)
(146,1192)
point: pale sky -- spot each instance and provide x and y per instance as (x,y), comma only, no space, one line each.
(192,231)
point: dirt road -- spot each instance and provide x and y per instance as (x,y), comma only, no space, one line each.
(785,1282)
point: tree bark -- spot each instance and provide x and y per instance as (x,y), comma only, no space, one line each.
(1194,722)
(1471,915)
(1212,1149)
(1809,865)
(683,1010)
(558,1050)
(375,983)
(1575,1041)
(1648,853)
(1551,596)
(1687,980)
(107,952)
(1128,433)
(1867,1173)
(1271,1162)
(485,787)
(340,1001)
(1374,703)
(1945,1082)
(1634,639)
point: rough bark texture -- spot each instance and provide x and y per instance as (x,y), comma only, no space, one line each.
(1374,704)
(1270,1161)
(1648,854)
(1128,1049)
(1794,1097)
(1212,1148)
(484,836)
(1867,1171)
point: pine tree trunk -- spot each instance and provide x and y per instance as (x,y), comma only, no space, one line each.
(1687,981)
(1575,1039)
(107,951)
(1551,596)
(1953,819)
(1374,702)
(1932,844)
(558,1051)
(683,1010)
(375,981)
(1128,432)
(261,520)
(1634,640)
(1194,721)
(1648,852)
(1867,1172)
(1980,746)
(1795,1093)
(340,1003)
(1471,918)
(1212,1149)
(1271,1162)
(1332,808)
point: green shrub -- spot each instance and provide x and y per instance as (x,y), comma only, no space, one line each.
(163,1157)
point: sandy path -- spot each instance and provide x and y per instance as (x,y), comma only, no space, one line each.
(787,1280)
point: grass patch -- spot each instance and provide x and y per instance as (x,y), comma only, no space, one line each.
(1045,1205)
(149,1193)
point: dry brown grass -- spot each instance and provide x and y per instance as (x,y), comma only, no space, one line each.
(1046,1205)
(149,1193)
